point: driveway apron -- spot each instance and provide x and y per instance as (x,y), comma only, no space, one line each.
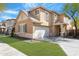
(70,46)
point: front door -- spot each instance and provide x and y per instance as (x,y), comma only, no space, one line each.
(58,30)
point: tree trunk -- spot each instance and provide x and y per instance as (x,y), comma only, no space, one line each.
(75,33)
(12,32)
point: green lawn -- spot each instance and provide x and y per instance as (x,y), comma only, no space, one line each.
(42,48)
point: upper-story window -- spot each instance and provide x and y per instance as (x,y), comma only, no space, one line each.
(46,16)
(55,17)
(36,12)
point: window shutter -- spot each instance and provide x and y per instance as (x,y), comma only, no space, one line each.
(18,28)
(25,27)
(21,28)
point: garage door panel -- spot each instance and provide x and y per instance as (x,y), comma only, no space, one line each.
(41,32)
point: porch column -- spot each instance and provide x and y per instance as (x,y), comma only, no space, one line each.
(62,28)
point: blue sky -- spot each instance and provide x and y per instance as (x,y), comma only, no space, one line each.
(12,9)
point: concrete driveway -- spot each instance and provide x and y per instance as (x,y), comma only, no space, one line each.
(6,50)
(70,46)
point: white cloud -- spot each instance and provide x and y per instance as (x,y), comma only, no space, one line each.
(6,17)
(11,11)
(8,14)
(30,6)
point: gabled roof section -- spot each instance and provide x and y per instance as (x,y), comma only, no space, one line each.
(24,11)
(27,14)
(19,15)
(50,11)
(20,12)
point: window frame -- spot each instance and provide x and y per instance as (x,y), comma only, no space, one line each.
(36,12)
(22,28)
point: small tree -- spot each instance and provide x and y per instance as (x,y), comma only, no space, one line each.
(77,20)
(72,11)
(12,32)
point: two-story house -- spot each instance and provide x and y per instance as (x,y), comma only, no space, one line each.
(9,25)
(39,23)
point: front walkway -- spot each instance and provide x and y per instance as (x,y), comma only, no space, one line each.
(6,50)
(70,46)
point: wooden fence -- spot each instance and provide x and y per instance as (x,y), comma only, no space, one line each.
(71,32)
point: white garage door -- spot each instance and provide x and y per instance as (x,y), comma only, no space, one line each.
(41,32)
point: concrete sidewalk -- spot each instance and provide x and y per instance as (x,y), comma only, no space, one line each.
(6,50)
(70,46)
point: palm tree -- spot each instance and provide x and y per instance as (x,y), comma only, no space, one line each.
(72,10)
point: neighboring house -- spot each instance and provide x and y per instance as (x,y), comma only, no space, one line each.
(39,23)
(2,27)
(9,25)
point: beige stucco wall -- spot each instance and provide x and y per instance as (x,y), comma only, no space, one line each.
(27,34)
(53,30)
(43,19)
(23,19)
(28,23)
(42,16)
(32,13)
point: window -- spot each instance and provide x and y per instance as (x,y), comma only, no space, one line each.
(46,16)
(22,28)
(36,12)
(55,17)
